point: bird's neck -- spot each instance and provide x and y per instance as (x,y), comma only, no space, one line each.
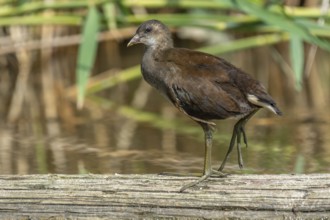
(164,44)
(167,43)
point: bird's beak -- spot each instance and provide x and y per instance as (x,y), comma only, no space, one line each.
(134,40)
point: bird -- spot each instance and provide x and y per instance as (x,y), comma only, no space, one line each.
(202,86)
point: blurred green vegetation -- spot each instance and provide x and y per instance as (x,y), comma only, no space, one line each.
(56,54)
(270,21)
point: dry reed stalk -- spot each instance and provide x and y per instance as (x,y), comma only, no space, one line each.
(129,126)
(169,136)
(18,34)
(47,80)
(7,45)
(6,148)
(49,95)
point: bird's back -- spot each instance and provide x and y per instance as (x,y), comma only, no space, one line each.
(202,85)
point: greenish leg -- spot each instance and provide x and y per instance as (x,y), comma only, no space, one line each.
(207,172)
(239,151)
(231,146)
(237,132)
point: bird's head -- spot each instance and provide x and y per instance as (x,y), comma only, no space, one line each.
(152,33)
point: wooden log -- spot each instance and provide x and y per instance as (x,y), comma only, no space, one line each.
(157,196)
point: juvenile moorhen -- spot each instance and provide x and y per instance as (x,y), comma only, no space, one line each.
(202,86)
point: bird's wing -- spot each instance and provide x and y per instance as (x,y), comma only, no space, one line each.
(228,86)
(202,85)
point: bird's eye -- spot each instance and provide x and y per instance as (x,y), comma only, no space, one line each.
(147,30)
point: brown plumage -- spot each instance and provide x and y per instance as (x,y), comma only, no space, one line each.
(200,85)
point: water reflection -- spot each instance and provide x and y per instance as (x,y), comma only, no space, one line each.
(130,128)
(121,144)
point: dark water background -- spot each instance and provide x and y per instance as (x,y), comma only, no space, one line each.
(276,145)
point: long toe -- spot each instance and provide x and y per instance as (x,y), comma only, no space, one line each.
(189,185)
(179,174)
(217,173)
(213,173)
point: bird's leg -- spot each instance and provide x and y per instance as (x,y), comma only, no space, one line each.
(244,137)
(237,131)
(239,152)
(207,172)
(246,118)
(231,146)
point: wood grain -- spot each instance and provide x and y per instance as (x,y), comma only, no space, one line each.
(157,196)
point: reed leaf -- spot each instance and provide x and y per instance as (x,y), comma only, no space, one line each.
(311,25)
(42,20)
(143,116)
(179,125)
(87,52)
(121,77)
(299,166)
(245,43)
(179,4)
(110,14)
(182,19)
(315,30)
(282,21)
(297,58)
(216,22)
(307,12)
(36,6)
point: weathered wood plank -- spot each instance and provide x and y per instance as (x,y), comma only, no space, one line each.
(157,196)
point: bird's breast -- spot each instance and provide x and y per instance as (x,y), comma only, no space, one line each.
(154,75)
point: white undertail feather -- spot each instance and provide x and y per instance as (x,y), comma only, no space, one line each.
(255,100)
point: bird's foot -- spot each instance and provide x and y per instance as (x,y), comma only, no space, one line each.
(213,173)
(179,174)
(217,173)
